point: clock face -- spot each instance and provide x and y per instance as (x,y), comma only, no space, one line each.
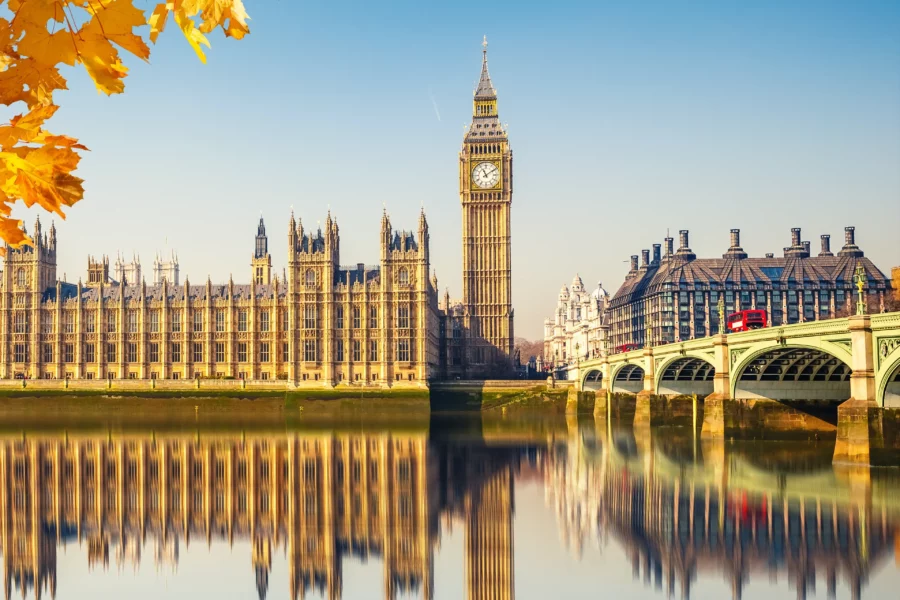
(486,175)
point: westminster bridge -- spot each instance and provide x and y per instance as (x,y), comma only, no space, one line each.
(748,380)
(680,509)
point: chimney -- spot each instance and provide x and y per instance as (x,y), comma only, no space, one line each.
(735,251)
(684,251)
(634,262)
(656,252)
(795,237)
(806,248)
(796,248)
(669,247)
(850,248)
(645,259)
(826,245)
(769,255)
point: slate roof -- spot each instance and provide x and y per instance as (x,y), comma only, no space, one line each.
(812,271)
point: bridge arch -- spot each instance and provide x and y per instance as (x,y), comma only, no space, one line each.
(592,380)
(887,390)
(808,370)
(627,377)
(685,374)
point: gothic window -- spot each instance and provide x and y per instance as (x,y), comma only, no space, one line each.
(111,321)
(89,353)
(154,321)
(373,350)
(48,353)
(373,317)
(47,322)
(198,320)
(69,320)
(403,317)
(339,351)
(242,320)
(132,352)
(285,320)
(154,352)
(20,277)
(220,352)
(264,320)
(309,350)
(242,352)
(339,317)
(176,352)
(356,318)
(220,320)
(357,353)
(310,278)
(176,321)
(69,353)
(264,352)
(20,352)
(21,322)
(111,353)
(403,276)
(285,352)
(198,351)
(403,350)
(309,317)
(132,321)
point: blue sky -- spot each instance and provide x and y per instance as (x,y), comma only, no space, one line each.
(626,119)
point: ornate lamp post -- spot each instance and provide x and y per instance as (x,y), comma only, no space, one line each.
(721,307)
(860,279)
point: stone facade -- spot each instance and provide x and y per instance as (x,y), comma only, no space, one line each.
(674,297)
(578,329)
(326,324)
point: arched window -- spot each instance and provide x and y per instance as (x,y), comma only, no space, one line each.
(403,276)
(20,277)
(310,278)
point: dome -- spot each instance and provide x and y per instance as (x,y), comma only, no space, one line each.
(577,283)
(564,292)
(599,292)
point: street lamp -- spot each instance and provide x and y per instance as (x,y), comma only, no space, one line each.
(859,279)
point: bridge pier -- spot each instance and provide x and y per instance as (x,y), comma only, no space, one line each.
(719,407)
(860,430)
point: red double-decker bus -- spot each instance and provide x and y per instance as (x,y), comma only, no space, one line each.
(626,348)
(746,320)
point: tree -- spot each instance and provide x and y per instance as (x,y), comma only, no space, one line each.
(527,348)
(35,165)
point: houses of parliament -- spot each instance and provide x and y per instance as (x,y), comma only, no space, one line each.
(319,498)
(320,324)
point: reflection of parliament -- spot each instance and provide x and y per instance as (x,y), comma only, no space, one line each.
(322,498)
(321,323)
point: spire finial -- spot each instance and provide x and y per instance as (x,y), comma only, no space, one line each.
(484,47)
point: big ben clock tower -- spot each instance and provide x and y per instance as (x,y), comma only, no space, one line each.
(485,191)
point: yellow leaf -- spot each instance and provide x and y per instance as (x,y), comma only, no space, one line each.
(193,36)
(42,176)
(115,20)
(11,232)
(158,19)
(28,81)
(46,47)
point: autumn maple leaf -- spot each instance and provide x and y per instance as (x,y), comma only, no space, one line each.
(35,165)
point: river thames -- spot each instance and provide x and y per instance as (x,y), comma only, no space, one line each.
(271,507)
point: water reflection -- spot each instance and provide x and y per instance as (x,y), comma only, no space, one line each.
(678,510)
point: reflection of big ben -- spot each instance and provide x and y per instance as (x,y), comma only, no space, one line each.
(489,538)
(485,190)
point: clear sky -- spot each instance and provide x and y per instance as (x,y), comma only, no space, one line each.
(626,119)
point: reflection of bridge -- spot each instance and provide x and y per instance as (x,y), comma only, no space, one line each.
(679,521)
(855,359)
(321,497)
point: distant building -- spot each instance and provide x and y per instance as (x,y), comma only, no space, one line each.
(578,329)
(895,282)
(675,296)
(166,270)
